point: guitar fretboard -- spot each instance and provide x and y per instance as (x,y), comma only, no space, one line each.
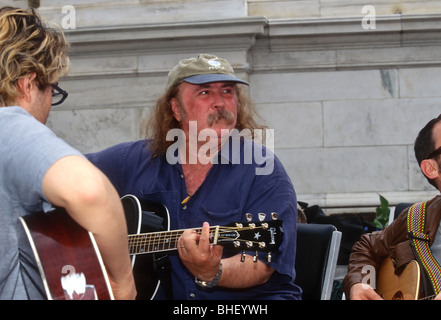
(161,241)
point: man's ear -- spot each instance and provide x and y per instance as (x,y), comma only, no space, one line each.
(430,168)
(25,86)
(175,108)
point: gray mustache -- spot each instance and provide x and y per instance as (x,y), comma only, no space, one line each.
(220,114)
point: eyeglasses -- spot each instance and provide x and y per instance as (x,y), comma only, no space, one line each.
(58,95)
(434,153)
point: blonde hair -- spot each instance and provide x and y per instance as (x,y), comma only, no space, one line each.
(29,45)
(162,119)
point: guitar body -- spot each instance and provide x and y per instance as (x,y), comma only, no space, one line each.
(63,249)
(405,286)
(143,216)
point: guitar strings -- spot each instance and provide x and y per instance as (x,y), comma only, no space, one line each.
(178,233)
(159,236)
(167,240)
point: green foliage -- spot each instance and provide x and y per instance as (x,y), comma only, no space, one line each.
(383,213)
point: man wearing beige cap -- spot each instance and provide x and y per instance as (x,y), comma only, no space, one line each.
(197,163)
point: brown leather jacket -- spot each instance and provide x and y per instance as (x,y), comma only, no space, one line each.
(393,241)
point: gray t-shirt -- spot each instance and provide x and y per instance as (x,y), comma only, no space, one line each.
(27,150)
(436,245)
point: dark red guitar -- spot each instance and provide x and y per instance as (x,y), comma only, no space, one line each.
(65,251)
(71,266)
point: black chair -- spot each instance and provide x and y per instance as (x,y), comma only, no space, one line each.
(318,246)
(400,207)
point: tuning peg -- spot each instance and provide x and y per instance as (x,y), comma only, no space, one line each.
(236,244)
(268,257)
(239,225)
(242,259)
(255,257)
(274,216)
(249,217)
(261,216)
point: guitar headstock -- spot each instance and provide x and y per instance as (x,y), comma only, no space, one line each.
(264,236)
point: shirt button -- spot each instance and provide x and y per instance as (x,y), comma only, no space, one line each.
(184,207)
(192,295)
(182,176)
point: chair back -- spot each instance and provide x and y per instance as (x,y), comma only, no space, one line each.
(400,207)
(318,246)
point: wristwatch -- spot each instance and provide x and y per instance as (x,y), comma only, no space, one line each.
(212,283)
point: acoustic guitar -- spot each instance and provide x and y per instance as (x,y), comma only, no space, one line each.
(71,266)
(405,286)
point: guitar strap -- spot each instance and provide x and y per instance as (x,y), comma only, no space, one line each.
(420,244)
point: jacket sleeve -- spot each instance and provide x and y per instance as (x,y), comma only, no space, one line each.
(373,247)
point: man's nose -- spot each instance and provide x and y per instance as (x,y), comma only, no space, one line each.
(219,100)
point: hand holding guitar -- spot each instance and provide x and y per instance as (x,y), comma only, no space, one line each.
(362,291)
(390,286)
(200,258)
(203,260)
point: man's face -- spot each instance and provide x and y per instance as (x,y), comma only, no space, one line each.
(211,105)
(36,101)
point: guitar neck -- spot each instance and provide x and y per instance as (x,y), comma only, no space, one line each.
(259,236)
(154,242)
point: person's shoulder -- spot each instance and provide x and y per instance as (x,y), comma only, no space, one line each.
(435,200)
(14,114)
(127,146)
(434,204)
(13,110)
(266,161)
(137,150)
(137,146)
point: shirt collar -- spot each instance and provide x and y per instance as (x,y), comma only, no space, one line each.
(231,152)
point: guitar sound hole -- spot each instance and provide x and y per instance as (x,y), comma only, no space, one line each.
(398,296)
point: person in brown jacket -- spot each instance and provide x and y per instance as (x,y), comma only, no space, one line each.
(393,241)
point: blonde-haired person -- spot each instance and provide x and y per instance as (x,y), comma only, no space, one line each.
(37,168)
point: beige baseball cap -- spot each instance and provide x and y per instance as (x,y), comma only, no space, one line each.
(205,68)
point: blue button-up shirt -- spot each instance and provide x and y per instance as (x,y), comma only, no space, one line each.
(232,188)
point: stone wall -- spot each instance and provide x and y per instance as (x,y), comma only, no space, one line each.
(345,95)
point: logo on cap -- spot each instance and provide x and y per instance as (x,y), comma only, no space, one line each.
(214,64)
